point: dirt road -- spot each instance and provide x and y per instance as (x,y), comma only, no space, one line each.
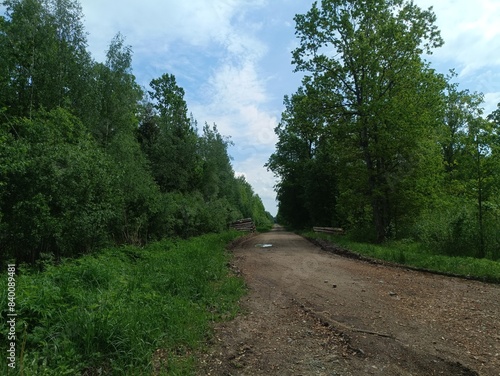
(310,312)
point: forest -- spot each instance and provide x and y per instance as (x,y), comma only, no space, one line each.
(378,142)
(114,201)
(89,158)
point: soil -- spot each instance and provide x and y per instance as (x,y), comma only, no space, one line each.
(311,312)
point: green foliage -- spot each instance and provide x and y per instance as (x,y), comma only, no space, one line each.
(57,194)
(117,95)
(452,229)
(86,159)
(306,192)
(414,254)
(365,114)
(188,215)
(169,138)
(138,196)
(113,310)
(45,55)
(217,179)
(249,204)
(376,142)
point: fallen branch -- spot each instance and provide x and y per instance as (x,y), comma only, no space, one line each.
(328,321)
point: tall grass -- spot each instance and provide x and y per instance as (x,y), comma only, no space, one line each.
(109,313)
(413,254)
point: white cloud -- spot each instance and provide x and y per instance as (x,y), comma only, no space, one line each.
(491,101)
(234,99)
(232,86)
(152,26)
(471,32)
(260,126)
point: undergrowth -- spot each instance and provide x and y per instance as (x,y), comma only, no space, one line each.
(413,254)
(109,313)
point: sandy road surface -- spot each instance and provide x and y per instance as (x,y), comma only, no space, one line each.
(309,312)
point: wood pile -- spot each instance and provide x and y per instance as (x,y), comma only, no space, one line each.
(329,230)
(245,224)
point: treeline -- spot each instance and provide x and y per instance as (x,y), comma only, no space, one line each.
(378,142)
(89,158)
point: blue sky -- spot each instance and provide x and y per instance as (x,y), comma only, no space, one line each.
(233,58)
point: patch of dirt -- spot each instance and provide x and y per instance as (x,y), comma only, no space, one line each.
(310,312)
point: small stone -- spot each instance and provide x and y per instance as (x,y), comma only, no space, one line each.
(334,286)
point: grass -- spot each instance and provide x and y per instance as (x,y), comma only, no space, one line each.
(109,313)
(414,255)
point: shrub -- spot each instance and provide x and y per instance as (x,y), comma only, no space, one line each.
(112,311)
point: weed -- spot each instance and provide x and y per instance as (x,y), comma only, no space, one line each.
(415,255)
(110,312)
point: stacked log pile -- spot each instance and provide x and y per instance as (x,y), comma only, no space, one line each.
(329,230)
(245,224)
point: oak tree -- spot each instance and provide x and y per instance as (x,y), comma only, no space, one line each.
(365,60)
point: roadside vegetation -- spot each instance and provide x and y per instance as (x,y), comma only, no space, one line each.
(125,310)
(101,183)
(90,159)
(416,255)
(380,143)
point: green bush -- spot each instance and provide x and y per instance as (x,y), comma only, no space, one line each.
(450,229)
(113,310)
(57,194)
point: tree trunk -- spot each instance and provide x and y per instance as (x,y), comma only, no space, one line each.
(482,252)
(379,203)
(380,215)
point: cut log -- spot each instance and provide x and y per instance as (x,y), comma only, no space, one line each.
(245,224)
(329,230)
(243,228)
(244,220)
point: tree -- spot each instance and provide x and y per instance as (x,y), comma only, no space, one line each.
(464,145)
(464,219)
(218,175)
(304,161)
(57,194)
(138,195)
(250,204)
(26,34)
(115,129)
(86,159)
(171,148)
(460,108)
(70,62)
(118,94)
(493,181)
(378,94)
(47,61)
(5,90)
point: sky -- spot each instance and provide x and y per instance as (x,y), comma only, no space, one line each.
(233,59)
